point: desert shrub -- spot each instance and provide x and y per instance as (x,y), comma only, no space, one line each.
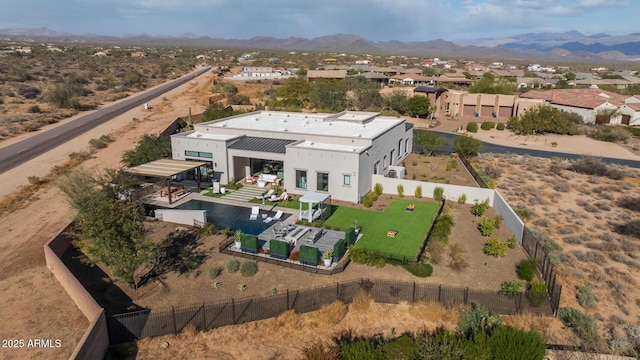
(360,349)
(630,228)
(233,266)
(442,228)
(404,347)
(629,203)
(477,319)
(506,341)
(436,251)
(512,242)
(522,213)
(214,271)
(562,187)
(362,256)
(537,293)
(462,199)
(526,269)
(419,269)
(472,127)
(478,208)
(452,165)
(595,166)
(295,255)
(35,109)
(486,226)
(511,288)
(493,172)
(418,192)
(608,133)
(551,246)
(500,126)
(438,191)
(238,100)
(366,201)
(582,324)
(28,92)
(494,247)
(377,189)
(248,268)
(584,296)
(487,125)
(400,189)
(459,261)
(318,351)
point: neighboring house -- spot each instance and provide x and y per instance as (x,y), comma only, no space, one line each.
(376,77)
(630,111)
(457,102)
(326,74)
(332,153)
(596,106)
(411,79)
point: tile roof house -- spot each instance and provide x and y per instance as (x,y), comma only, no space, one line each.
(592,104)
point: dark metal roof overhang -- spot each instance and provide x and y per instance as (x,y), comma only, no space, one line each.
(250,143)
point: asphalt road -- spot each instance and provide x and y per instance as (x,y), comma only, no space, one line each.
(18,153)
(492,148)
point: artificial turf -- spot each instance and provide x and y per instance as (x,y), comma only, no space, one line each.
(412,227)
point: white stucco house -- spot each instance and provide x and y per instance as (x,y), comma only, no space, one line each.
(332,153)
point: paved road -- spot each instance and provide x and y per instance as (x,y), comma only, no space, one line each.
(492,148)
(18,153)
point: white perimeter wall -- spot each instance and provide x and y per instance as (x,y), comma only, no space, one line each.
(453,192)
(185,217)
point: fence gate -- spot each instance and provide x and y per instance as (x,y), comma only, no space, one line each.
(126,327)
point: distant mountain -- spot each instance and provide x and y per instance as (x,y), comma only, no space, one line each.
(570,45)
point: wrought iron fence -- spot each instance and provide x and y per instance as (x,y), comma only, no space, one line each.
(533,247)
(171,320)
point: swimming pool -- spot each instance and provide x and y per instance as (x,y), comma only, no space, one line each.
(235,217)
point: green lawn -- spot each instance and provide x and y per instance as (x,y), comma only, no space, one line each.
(412,227)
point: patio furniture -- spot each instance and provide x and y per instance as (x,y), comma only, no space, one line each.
(279,230)
(250,180)
(277,216)
(392,233)
(296,235)
(265,179)
(266,196)
(410,207)
(216,187)
(255,211)
(313,235)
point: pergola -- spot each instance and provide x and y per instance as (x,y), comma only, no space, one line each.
(167,169)
(324,206)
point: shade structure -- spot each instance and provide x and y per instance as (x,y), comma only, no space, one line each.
(318,206)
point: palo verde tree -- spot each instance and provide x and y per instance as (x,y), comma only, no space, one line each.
(397,101)
(110,230)
(292,93)
(545,119)
(467,146)
(149,148)
(419,106)
(329,95)
(366,94)
(429,140)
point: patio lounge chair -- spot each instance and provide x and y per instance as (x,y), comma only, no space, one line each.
(216,188)
(277,216)
(266,196)
(255,211)
(279,230)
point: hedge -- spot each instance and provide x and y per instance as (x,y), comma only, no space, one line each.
(488,125)
(472,127)
(278,249)
(309,255)
(350,236)
(339,249)
(249,243)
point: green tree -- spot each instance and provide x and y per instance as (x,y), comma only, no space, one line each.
(467,146)
(545,119)
(294,91)
(397,100)
(419,105)
(149,148)
(110,230)
(429,71)
(329,95)
(366,94)
(570,76)
(429,140)
(489,85)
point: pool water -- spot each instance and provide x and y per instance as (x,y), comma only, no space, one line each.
(234,217)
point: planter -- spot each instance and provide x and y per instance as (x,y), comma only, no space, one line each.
(238,244)
(327,262)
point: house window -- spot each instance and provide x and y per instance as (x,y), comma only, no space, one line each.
(391,157)
(198,154)
(301,179)
(323,182)
(384,162)
(346,180)
(376,168)
(406,146)
(399,148)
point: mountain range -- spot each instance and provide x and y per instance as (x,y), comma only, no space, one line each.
(569,46)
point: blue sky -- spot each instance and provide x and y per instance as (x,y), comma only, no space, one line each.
(378,20)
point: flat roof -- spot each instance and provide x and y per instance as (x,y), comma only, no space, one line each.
(345,124)
(327,146)
(164,167)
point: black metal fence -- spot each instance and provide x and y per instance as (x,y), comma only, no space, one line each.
(171,320)
(533,247)
(474,173)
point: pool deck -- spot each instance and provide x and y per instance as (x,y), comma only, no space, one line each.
(297,236)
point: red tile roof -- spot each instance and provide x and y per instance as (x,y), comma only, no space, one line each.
(583,98)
